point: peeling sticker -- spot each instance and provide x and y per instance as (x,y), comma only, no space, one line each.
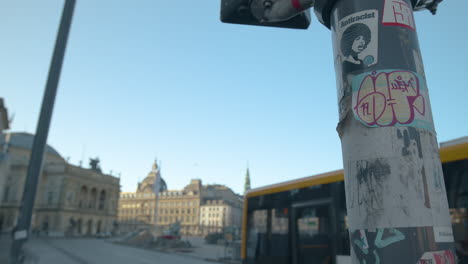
(427,202)
(438,257)
(22,234)
(398,13)
(418,63)
(437,174)
(443,234)
(400,245)
(364,242)
(388,98)
(372,252)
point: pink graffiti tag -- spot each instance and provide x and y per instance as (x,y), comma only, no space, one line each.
(438,257)
(386,99)
(446,257)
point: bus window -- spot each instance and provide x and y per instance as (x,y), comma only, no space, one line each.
(456,180)
(279,238)
(256,232)
(312,225)
(267,237)
(344,237)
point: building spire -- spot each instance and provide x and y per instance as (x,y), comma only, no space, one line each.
(155,167)
(247,181)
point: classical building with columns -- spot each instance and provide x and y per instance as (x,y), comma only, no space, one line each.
(143,210)
(136,210)
(70,200)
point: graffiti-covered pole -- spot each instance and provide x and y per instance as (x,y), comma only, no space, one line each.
(395,192)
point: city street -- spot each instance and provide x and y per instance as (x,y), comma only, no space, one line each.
(93,251)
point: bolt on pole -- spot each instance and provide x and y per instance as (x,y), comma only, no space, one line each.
(21,231)
(395,193)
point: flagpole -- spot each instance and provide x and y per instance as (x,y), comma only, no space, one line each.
(157,187)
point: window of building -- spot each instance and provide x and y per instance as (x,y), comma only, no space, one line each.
(70,197)
(83,197)
(50,198)
(102,200)
(6,193)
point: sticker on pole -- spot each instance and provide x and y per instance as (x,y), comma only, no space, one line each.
(389,98)
(443,234)
(20,235)
(357,40)
(398,13)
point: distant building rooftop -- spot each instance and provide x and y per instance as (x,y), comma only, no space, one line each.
(454,142)
(25,141)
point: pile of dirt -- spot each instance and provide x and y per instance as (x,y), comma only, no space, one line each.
(142,239)
(164,242)
(146,239)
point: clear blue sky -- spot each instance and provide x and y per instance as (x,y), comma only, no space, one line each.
(164,78)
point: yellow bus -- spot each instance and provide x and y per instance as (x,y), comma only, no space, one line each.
(304,220)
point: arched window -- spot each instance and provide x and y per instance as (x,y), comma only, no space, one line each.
(79,225)
(89,227)
(45,223)
(102,200)
(71,225)
(6,193)
(83,197)
(98,227)
(93,199)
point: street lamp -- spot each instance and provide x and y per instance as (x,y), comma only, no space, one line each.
(257,13)
(21,231)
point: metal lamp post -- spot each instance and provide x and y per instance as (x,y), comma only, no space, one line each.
(21,231)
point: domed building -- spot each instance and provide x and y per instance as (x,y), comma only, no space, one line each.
(144,210)
(70,200)
(137,209)
(148,184)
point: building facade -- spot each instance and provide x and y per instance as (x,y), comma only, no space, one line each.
(142,209)
(4,160)
(136,210)
(70,200)
(217,214)
(181,206)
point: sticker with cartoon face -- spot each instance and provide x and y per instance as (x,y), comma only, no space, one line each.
(357,40)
